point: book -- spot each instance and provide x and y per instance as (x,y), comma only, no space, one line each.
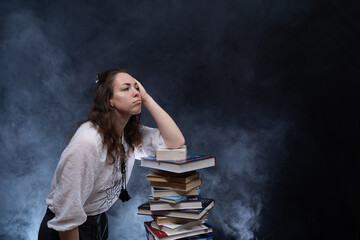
(154,177)
(166,220)
(169,199)
(206,236)
(162,192)
(176,227)
(162,235)
(172,174)
(171,154)
(192,162)
(149,236)
(177,186)
(207,204)
(191,202)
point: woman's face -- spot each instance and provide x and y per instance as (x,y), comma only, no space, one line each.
(126,96)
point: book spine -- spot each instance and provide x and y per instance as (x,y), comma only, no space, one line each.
(165,179)
(178,186)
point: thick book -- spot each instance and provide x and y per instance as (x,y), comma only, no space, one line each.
(162,235)
(191,202)
(171,154)
(192,162)
(207,205)
(166,220)
(177,186)
(162,192)
(176,227)
(154,177)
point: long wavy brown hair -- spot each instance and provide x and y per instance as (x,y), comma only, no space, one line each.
(102,116)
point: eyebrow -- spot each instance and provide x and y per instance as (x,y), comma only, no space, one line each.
(129,84)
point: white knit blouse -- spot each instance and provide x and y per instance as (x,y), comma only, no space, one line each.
(84,183)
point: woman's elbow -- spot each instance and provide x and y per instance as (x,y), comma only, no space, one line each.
(175,144)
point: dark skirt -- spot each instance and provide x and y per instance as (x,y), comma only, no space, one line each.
(95,228)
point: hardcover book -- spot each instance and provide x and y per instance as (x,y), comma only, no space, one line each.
(169,199)
(192,162)
(206,236)
(207,204)
(171,154)
(177,186)
(191,202)
(154,177)
(166,220)
(149,236)
(171,174)
(176,227)
(162,192)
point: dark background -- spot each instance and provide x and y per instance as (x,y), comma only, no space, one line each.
(269,87)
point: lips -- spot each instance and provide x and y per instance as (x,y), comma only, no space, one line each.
(137,102)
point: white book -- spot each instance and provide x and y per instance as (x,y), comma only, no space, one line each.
(171,154)
(176,227)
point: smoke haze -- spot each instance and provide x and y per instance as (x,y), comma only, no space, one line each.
(250,82)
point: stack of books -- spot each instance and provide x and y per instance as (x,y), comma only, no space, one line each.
(178,209)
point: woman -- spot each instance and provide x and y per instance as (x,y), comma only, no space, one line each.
(96,165)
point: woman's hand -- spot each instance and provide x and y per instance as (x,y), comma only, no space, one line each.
(70,235)
(170,132)
(144,95)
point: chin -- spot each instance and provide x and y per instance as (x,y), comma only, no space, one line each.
(135,112)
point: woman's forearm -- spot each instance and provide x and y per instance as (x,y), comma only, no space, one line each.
(169,130)
(72,234)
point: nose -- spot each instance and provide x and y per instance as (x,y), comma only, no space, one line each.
(136,92)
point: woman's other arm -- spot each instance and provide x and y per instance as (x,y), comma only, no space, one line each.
(170,132)
(72,234)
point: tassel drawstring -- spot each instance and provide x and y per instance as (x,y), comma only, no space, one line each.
(124,195)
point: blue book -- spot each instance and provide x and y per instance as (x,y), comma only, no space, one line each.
(206,236)
(169,199)
(191,163)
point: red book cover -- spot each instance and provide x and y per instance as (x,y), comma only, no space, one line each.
(155,231)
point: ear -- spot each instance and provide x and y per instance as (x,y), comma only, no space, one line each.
(111,104)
